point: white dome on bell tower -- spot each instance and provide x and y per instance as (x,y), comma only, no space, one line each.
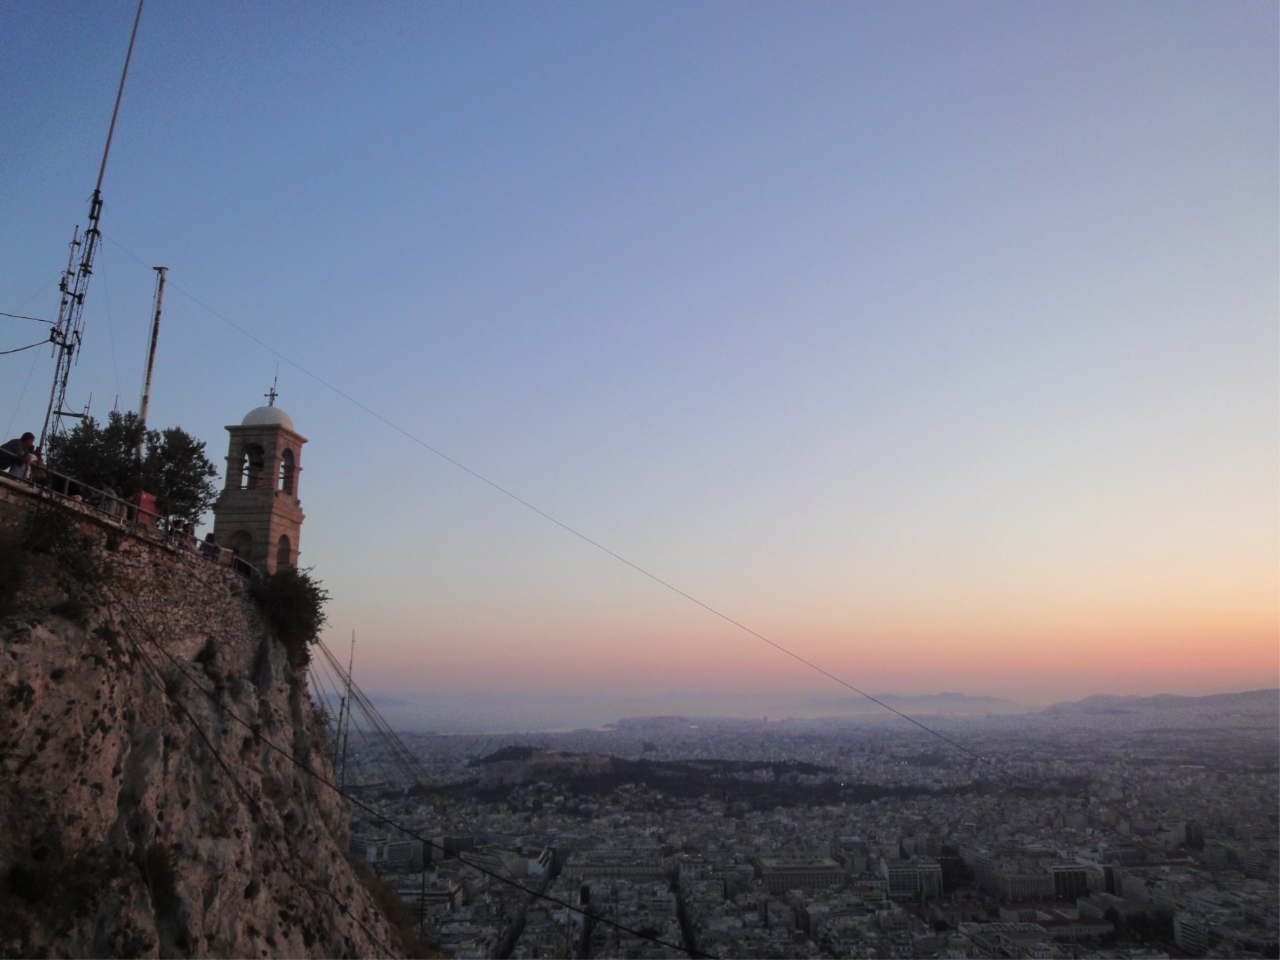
(269,416)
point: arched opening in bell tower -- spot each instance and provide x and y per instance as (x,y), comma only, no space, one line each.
(241,544)
(252,460)
(286,473)
(284,553)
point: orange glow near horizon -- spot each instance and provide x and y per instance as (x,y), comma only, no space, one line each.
(1032,667)
(1034,639)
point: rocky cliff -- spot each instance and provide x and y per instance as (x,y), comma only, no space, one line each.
(158,760)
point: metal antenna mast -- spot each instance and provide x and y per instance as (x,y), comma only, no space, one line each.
(162,274)
(342,775)
(68,332)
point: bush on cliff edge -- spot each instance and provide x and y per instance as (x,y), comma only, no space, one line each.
(292,601)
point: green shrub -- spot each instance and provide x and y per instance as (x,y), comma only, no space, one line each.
(292,602)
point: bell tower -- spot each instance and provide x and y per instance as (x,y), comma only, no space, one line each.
(258,514)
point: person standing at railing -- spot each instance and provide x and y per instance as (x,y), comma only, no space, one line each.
(110,497)
(20,455)
(210,547)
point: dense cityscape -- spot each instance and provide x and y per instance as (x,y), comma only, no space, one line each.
(1144,829)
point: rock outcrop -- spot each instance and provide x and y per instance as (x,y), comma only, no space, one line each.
(160,762)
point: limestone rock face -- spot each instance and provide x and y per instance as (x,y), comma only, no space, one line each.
(147,805)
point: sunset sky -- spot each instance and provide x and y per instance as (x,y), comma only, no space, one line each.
(938,343)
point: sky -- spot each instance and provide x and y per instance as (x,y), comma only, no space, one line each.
(937,343)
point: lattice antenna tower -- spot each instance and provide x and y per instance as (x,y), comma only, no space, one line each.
(68,332)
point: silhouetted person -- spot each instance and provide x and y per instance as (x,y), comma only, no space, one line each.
(19,455)
(110,497)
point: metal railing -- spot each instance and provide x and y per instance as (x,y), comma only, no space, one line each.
(131,517)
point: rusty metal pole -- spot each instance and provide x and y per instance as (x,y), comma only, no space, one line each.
(162,274)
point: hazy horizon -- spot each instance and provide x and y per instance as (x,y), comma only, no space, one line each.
(529,713)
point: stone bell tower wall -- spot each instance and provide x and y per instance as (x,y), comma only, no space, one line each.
(259,504)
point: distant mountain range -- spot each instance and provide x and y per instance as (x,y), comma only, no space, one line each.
(1251,703)
(1254,703)
(932,703)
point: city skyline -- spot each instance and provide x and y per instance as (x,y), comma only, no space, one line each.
(937,345)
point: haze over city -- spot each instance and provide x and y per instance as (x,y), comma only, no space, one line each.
(936,343)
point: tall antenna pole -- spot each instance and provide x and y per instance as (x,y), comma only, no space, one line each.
(68,332)
(342,774)
(162,274)
(342,706)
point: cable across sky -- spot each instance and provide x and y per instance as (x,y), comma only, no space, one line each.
(780,648)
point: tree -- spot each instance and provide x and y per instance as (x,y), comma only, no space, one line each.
(173,464)
(97,454)
(180,474)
